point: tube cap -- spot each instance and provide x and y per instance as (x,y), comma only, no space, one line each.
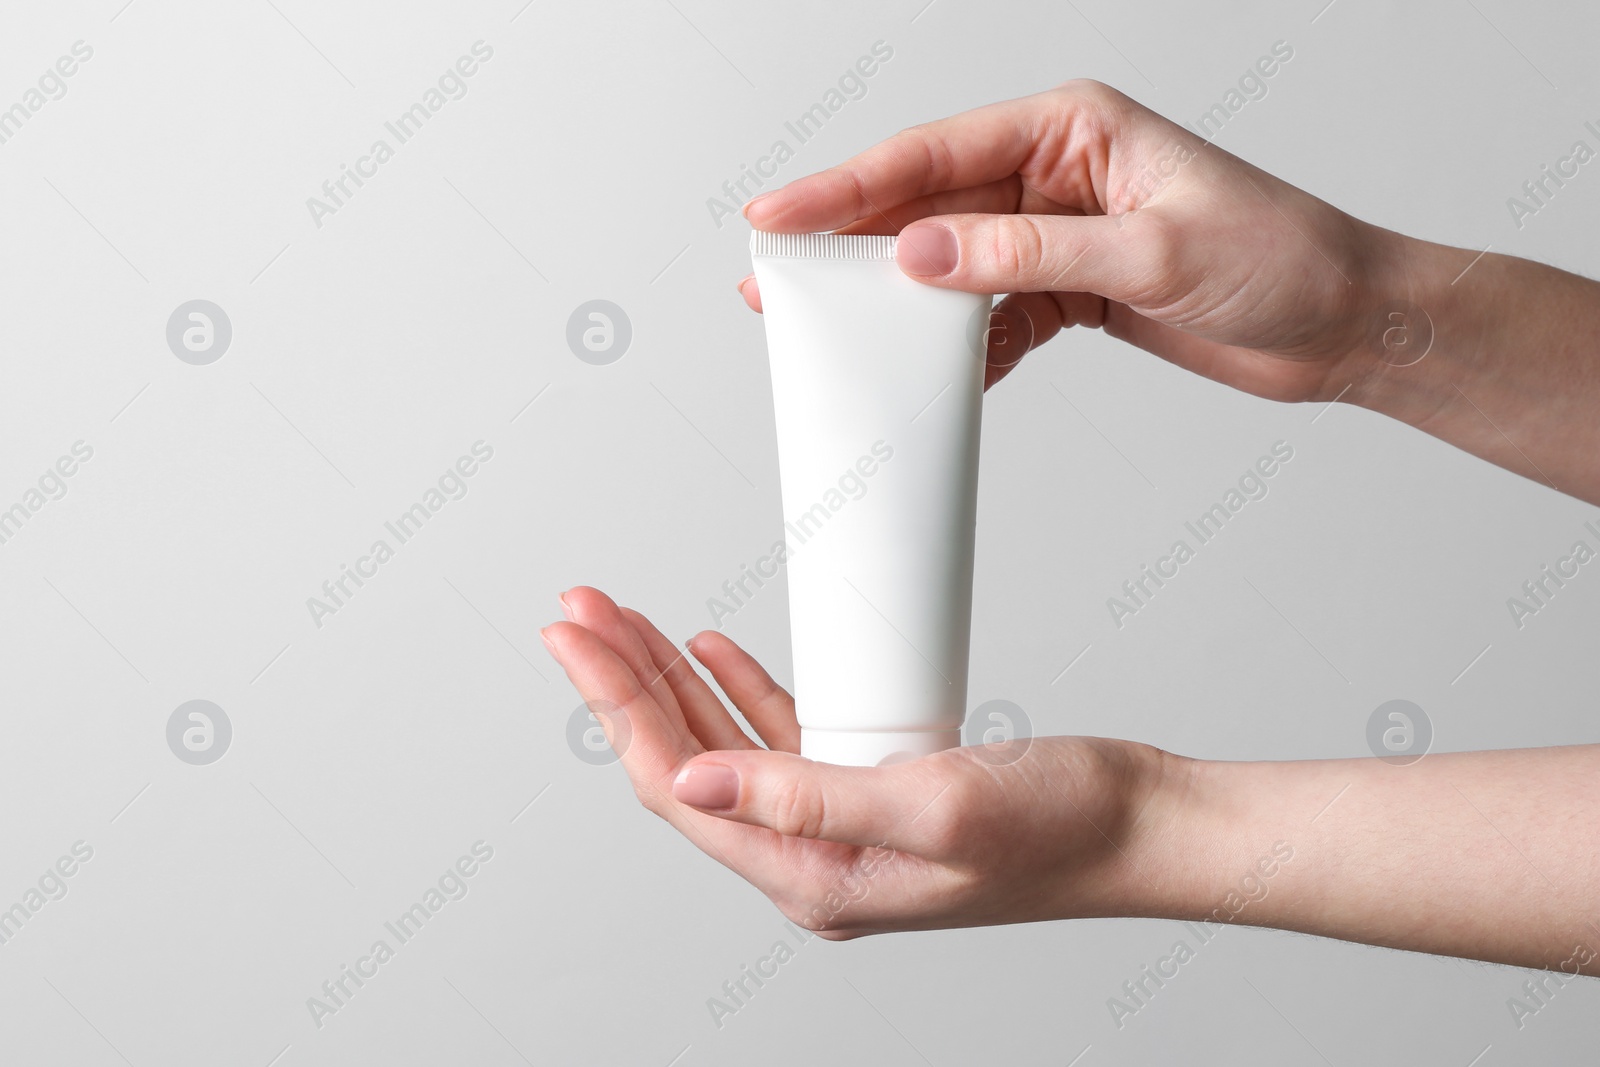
(869,748)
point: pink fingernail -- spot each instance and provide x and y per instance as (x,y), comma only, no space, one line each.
(547,642)
(566,609)
(928,250)
(713,786)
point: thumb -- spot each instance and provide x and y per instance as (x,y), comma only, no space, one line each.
(1128,258)
(888,806)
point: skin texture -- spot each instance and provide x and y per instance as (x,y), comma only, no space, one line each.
(1090,210)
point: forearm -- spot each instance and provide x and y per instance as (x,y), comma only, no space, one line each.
(1512,365)
(1488,855)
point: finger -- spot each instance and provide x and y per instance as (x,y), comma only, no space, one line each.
(898,806)
(997,197)
(703,713)
(971,149)
(653,748)
(1017,325)
(765,705)
(994,198)
(1025,321)
(651,744)
(751,292)
(598,613)
(1136,258)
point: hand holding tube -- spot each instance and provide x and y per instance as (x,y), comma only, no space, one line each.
(1092,210)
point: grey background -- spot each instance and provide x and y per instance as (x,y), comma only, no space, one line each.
(369,353)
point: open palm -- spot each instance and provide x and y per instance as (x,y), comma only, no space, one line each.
(991,834)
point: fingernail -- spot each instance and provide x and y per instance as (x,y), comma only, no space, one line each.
(746,280)
(688,643)
(712,786)
(928,250)
(547,642)
(752,202)
(566,609)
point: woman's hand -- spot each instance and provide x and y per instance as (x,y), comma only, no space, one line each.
(1044,828)
(1092,210)
(1489,855)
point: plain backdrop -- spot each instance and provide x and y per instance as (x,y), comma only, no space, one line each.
(374,345)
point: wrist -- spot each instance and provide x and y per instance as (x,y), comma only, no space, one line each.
(1426,330)
(1491,353)
(1216,842)
(1171,826)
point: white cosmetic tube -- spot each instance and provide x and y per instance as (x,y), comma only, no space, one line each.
(877,385)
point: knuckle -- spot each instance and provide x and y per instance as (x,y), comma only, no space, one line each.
(851,177)
(1103,109)
(913,138)
(1090,91)
(1081,86)
(937,160)
(1018,249)
(922,147)
(798,808)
